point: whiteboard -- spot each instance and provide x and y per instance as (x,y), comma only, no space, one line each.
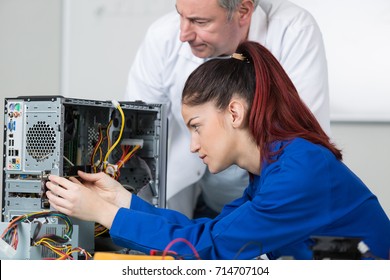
(357,42)
(100,40)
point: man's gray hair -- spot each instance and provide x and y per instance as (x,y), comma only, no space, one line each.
(231,5)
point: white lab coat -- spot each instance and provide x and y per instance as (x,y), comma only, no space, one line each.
(163,63)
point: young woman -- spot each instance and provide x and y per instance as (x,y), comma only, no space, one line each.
(244,110)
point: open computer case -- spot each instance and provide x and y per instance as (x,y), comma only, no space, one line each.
(57,135)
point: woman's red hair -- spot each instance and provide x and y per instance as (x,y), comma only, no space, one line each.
(276,111)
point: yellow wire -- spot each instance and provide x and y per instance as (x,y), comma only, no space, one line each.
(97,146)
(63,251)
(80,250)
(119,138)
(102,232)
(55,249)
(129,155)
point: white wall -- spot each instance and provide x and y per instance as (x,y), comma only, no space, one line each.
(101,38)
(84,48)
(30,50)
(366,151)
(30,47)
(356,36)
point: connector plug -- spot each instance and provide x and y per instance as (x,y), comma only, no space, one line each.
(115,103)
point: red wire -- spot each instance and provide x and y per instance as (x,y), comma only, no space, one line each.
(180,240)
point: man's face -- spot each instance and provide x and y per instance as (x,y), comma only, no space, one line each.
(206,28)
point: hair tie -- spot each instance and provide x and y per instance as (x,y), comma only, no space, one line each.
(239,56)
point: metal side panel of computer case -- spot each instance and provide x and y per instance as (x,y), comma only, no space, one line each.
(58,135)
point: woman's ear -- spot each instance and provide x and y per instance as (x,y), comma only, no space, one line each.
(237,111)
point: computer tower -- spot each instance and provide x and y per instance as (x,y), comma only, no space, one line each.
(58,135)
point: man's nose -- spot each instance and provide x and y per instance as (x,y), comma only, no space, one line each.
(187,33)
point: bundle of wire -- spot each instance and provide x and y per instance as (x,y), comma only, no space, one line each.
(98,165)
(127,151)
(112,147)
(102,164)
(55,243)
(167,250)
(100,230)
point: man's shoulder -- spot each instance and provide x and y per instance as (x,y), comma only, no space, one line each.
(164,33)
(163,36)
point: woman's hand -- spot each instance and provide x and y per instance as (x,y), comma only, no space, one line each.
(97,199)
(107,188)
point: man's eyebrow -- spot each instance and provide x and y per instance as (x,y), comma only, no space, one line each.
(193,18)
(190,120)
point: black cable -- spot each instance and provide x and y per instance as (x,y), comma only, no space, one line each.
(36,231)
(259,244)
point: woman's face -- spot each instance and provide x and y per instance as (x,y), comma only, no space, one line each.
(211,135)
